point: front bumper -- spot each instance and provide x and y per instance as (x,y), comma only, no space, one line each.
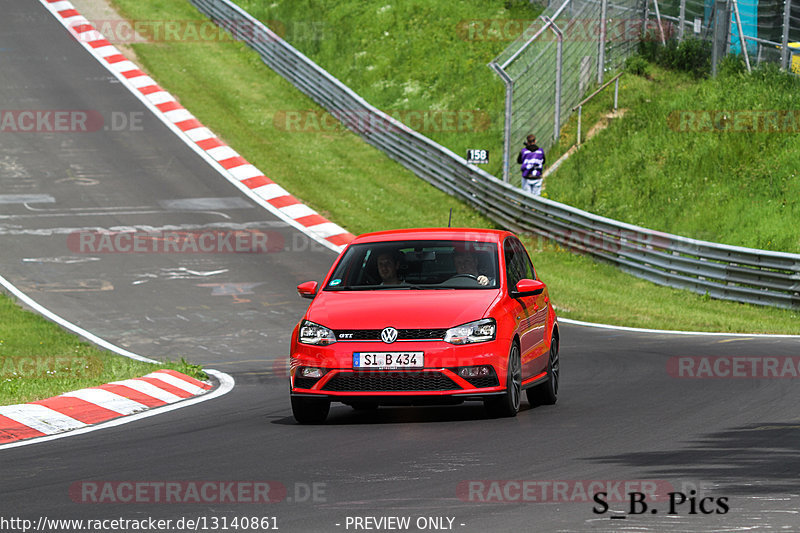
(438,378)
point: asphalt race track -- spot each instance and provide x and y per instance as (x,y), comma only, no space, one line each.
(624,421)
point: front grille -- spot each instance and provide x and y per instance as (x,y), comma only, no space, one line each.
(422,334)
(485,381)
(304,383)
(389,381)
(358,334)
(402,334)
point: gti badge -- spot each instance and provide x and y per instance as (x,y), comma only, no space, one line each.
(389,335)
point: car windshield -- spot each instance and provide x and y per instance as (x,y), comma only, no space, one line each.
(440,264)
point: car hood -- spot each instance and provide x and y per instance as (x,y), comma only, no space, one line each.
(402,309)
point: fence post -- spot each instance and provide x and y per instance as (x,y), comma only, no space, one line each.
(787,7)
(681,20)
(660,26)
(722,24)
(509,83)
(742,42)
(559,61)
(601,50)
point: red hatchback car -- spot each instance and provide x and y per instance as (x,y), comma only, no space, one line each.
(426,316)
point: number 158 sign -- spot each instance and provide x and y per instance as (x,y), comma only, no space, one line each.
(478,157)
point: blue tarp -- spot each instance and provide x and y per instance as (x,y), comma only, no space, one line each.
(748,14)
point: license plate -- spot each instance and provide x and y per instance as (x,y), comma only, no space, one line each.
(388,360)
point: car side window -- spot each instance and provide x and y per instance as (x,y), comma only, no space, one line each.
(526,265)
(514,272)
(518,264)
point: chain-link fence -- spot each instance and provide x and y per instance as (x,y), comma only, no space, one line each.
(770,29)
(548,69)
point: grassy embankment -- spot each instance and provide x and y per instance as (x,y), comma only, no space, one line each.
(714,159)
(659,167)
(227,86)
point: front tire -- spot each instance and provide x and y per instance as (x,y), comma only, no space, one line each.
(547,393)
(507,405)
(310,410)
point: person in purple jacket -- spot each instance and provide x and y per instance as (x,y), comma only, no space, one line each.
(532,160)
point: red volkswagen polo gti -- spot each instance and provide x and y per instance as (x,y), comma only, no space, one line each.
(425,316)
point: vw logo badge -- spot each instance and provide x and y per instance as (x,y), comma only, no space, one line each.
(389,335)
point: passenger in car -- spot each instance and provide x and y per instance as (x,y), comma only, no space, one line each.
(467,264)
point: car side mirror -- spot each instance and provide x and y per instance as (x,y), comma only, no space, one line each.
(528,287)
(308,289)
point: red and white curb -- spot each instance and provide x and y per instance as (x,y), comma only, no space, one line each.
(227,161)
(82,408)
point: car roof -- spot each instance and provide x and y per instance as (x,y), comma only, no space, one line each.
(469,234)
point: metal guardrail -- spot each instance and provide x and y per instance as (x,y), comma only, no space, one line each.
(721,271)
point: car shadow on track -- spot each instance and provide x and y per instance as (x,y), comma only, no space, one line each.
(760,458)
(344,415)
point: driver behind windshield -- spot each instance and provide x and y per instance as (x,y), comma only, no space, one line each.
(388,265)
(467,264)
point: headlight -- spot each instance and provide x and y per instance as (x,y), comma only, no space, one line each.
(478,331)
(311,333)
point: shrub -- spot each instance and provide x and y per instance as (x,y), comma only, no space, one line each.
(637,65)
(781,80)
(691,55)
(649,47)
(731,65)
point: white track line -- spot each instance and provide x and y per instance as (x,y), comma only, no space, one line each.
(674,332)
(91,337)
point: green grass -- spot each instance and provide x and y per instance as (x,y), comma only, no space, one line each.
(38,359)
(737,188)
(654,169)
(597,292)
(415,55)
(227,86)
